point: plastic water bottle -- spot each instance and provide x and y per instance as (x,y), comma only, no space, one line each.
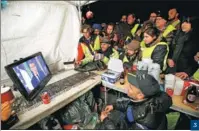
(142,66)
(154,70)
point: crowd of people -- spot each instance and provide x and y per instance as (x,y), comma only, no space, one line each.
(171,43)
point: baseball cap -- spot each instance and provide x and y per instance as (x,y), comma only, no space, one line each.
(145,82)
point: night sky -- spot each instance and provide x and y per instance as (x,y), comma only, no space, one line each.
(111,11)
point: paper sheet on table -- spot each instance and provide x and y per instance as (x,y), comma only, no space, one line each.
(115,65)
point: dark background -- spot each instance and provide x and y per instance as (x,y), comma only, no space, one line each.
(112,10)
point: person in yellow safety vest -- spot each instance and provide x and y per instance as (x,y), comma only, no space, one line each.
(88,45)
(107,51)
(173,18)
(133,25)
(196,74)
(154,48)
(166,32)
(132,54)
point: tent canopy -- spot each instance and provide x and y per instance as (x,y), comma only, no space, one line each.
(50,27)
(81,3)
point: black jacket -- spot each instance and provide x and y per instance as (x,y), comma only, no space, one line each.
(185,46)
(149,113)
(159,54)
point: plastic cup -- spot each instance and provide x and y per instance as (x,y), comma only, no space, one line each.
(154,70)
(179,84)
(142,65)
(170,81)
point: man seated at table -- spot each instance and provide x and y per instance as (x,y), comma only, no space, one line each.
(132,54)
(145,109)
(107,51)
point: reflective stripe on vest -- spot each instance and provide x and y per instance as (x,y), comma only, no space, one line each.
(175,23)
(147,52)
(168,29)
(134,29)
(128,37)
(97,43)
(125,59)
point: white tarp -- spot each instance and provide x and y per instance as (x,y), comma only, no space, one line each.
(81,3)
(27,27)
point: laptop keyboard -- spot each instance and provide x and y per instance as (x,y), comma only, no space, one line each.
(21,105)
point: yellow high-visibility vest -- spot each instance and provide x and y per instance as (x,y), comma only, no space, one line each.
(175,23)
(147,52)
(134,29)
(88,56)
(168,29)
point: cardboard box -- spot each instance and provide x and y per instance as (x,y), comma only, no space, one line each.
(115,68)
(110,76)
